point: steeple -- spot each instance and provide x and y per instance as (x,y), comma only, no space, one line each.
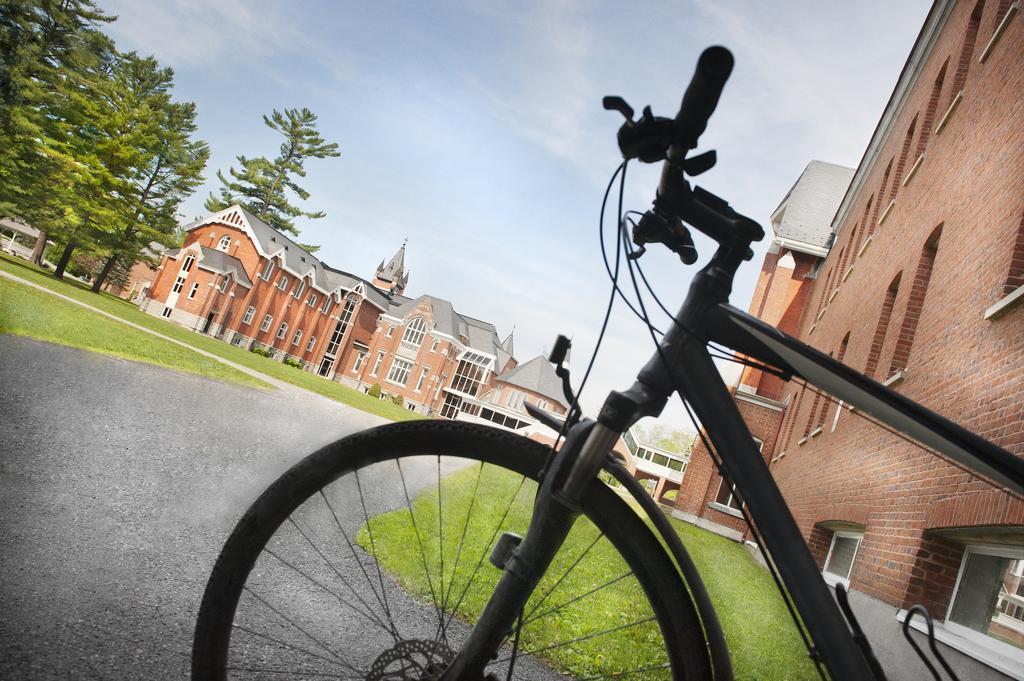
(393,277)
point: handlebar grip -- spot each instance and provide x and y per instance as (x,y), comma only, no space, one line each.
(701,97)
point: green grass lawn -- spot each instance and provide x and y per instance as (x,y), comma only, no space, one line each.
(763,642)
(27,312)
(125,310)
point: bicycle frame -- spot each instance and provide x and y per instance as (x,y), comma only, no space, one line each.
(684,365)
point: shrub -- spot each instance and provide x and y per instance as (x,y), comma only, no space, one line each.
(292,362)
(397,399)
(262,351)
(374,390)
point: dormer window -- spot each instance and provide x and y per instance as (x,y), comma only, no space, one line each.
(224,244)
(299,289)
(282,283)
(268,269)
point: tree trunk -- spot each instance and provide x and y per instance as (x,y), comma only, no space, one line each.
(97,283)
(39,249)
(65,258)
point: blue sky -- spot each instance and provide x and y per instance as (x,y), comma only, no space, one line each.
(475,130)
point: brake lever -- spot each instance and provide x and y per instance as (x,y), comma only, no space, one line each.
(655,227)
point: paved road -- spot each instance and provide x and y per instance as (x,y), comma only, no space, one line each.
(119,482)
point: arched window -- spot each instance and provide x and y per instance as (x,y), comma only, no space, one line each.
(929,113)
(881,198)
(915,303)
(414,331)
(967,49)
(904,153)
(224,244)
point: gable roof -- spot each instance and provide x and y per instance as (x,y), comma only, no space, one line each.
(270,243)
(538,375)
(221,262)
(803,219)
(480,335)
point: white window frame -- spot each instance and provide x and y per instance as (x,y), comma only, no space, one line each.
(299,289)
(376,364)
(976,639)
(223,285)
(186,265)
(282,331)
(716,504)
(267,321)
(434,344)
(831,578)
(327,305)
(396,369)
(415,330)
(310,343)
(391,329)
(178,283)
(516,399)
(193,291)
(297,337)
(268,269)
(222,246)
(166,314)
(282,283)
(311,301)
(250,312)
(423,377)
(360,358)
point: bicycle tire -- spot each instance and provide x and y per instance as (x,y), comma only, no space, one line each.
(274,524)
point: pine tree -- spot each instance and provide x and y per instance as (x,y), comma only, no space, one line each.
(260,185)
(44,46)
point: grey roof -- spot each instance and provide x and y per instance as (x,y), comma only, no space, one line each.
(221,262)
(537,375)
(479,335)
(298,260)
(811,203)
(395,266)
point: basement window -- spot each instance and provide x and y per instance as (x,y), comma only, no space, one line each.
(841,554)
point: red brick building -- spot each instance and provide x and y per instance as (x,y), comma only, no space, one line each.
(920,287)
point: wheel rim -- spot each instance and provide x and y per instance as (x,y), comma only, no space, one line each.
(378,574)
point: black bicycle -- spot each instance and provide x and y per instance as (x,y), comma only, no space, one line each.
(315,582)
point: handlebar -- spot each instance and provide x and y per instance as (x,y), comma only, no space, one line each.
(701,96)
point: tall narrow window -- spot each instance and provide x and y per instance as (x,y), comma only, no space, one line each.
(178,283)
(915,302)
(881,198)
(327,305)
(423,377)
(901,165)
(192,291)
(311,343)
(249,312)
(863,226)
(967,49)
(297,337)
(376,365)
(282,330)
(882,327)
(299,288)
(265,324)
(268,269)
(928,124)
(1015,277)
(282,283)
(187,265)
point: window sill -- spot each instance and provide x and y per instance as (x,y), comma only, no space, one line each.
(814,433)
(846,275)
(833,296)
(801,441)
(979,652)
(728,510)
(1013,9)
(864,246)
(895,379)
(1007,302)
(885,213)
(949,113)
(913,170)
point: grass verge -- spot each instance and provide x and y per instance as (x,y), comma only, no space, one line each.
(27,312)
(762,640)
(128,312)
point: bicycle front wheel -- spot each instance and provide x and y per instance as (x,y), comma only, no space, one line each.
(369,560)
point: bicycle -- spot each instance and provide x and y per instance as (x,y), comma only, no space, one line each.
(310,538)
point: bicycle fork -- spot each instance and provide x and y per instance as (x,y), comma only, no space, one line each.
(554,514)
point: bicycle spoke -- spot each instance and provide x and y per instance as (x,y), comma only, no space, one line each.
(359,562)
(569,602)
(344,663)
(285,644)
(290,672)
(579,639)
(564,575)
(373,545)
(369,612)
(490,542)
(618,675)
(324,588)
(419,541)
(462,539)
(440,546)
